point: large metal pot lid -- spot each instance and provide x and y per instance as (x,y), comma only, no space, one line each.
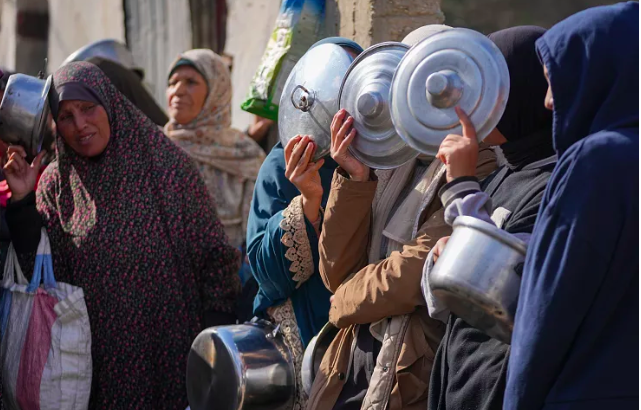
(24,111)
(456,67)
(310,96)
(365,95)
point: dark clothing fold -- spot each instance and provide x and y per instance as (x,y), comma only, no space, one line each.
(132,87)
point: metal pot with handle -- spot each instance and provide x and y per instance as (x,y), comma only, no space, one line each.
(239,367)
(24,112)
(478,276)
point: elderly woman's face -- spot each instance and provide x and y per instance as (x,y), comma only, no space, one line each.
(186,94)
(84,126)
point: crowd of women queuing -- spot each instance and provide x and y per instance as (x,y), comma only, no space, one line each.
(154,217)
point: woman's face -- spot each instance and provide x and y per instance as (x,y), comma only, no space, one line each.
(549,101)
(84,126)
(186,94)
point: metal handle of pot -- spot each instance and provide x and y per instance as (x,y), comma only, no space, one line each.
(305,101)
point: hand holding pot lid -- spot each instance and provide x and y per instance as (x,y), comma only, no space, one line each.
(456,67)
(310,96)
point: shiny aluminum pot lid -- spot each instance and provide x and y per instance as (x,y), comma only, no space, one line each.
(24,112)
(310,96)
(365,95)
(454,67)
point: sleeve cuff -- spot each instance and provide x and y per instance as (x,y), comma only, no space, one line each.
(458,188)
(342,180)
(28,200)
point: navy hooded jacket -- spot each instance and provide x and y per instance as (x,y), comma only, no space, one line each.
(576,337)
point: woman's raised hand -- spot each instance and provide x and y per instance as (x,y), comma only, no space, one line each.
(303,173)
(341,141)
(460,153)
(21,176)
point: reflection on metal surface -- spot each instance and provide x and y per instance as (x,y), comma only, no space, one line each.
(240,367)
(314,354)
(24,112)
(365,95)
(310,96)
(456,67)
(477,277)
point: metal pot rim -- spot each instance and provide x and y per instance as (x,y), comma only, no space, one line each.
(492,231)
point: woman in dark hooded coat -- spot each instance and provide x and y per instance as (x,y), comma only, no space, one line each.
(576,334)
(470,367)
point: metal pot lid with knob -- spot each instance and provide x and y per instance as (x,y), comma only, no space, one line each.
(240,367)
(310,96)
(456,67)
(364,94)
(24,112)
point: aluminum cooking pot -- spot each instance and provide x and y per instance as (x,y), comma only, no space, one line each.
(24,112)
(310,96)
(239,367)
(314,355)
(478,276)
(110,49)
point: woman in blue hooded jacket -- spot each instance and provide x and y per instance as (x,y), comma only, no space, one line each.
(576,336)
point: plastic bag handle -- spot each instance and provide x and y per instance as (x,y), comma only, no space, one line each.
(43,262)
(11,267)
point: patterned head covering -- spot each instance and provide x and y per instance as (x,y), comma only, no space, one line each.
(136,228)
(208,138)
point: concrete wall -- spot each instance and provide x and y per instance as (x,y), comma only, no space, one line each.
(249,25)
(75,23)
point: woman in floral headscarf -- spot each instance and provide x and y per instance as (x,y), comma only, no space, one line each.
(199,106)
(132,223)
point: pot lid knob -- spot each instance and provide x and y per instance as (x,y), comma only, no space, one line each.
(444,88)
(370,104)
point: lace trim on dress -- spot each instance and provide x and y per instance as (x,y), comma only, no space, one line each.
(284,316)
(299,251)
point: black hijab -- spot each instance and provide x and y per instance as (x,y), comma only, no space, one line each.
(526,123)
(129,84)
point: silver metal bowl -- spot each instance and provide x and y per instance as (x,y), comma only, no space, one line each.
(314,355)
(24,112)
(239,367)
(478,276)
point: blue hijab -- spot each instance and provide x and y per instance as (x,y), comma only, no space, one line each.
(576,336)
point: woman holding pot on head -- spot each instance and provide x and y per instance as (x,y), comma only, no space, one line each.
(199,104)
(282,239)
(132,223)
(470,367)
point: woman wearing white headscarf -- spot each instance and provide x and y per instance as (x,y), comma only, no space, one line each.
(199,106)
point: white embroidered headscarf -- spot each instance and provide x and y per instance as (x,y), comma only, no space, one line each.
(209,138)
